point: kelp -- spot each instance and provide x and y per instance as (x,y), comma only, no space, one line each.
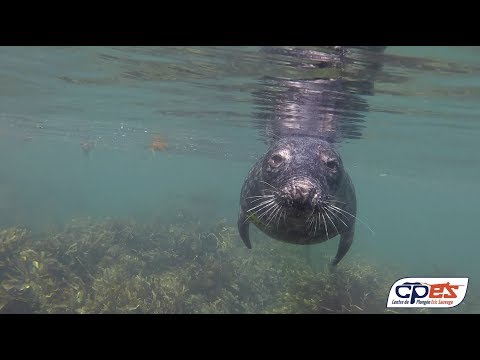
(121,266)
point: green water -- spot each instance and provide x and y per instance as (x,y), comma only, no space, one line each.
(415,167)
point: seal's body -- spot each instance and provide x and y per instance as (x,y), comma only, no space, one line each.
(299,192)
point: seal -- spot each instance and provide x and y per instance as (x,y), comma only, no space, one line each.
(300,193)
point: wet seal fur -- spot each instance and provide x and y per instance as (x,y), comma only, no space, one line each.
(300,193)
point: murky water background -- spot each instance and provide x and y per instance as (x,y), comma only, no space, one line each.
(414,158)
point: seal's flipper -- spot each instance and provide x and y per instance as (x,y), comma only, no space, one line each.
(346,240)
(243,226)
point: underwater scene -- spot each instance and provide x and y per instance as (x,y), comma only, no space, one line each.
(239,180)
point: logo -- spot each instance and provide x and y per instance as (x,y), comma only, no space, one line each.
(427,292)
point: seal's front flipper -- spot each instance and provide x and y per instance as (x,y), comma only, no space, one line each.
(346,240)
(243,226)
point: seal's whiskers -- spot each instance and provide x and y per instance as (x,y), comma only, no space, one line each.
(333,214)
(261,197)
(273,187)
(326,230)
(263,203)
(316,225)
(270,217)
(331,198)
(344,212)
(270,207)
(329,218)
(274,213)
(310,220)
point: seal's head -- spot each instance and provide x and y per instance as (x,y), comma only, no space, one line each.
(299,192)
(301,174)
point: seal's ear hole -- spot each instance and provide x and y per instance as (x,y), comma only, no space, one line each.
(276,160)
(332,164)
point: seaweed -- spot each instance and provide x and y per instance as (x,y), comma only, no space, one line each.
(184,266)
(355,288)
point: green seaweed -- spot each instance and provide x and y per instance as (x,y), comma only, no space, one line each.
(121,266)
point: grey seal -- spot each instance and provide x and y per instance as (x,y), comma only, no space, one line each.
(300,193)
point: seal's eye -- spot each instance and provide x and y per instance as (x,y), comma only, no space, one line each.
(332,164)
(275,160)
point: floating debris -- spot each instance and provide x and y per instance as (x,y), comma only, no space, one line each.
(87,146)
(158,144)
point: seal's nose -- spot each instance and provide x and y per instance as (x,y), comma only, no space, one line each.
(303,192)
(300,192)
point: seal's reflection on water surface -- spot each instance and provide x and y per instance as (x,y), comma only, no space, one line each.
(299,191)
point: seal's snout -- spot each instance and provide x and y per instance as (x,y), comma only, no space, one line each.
(303,193)
(300,192)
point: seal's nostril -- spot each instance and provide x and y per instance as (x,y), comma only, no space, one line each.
(302,193)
